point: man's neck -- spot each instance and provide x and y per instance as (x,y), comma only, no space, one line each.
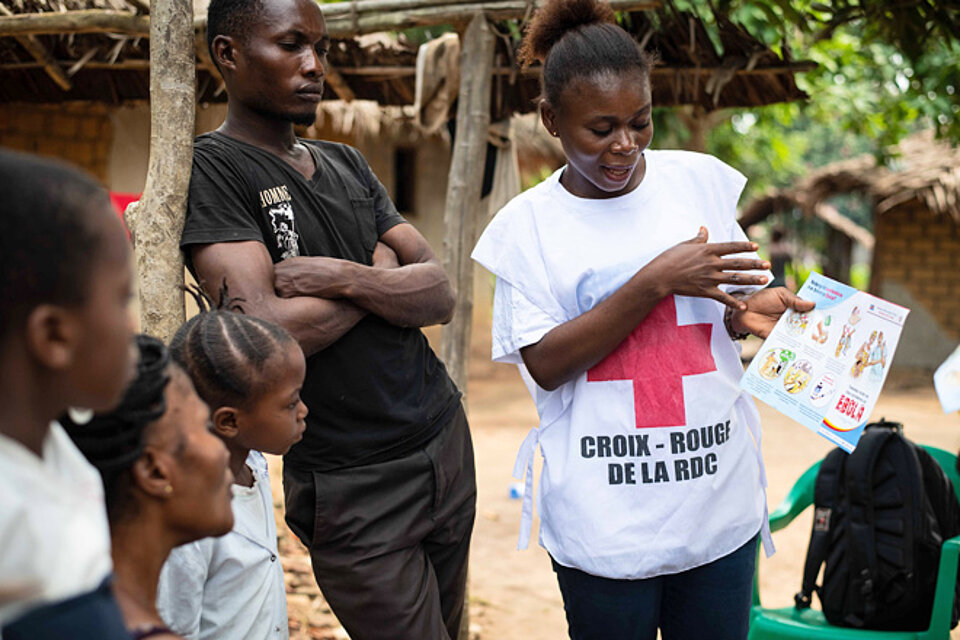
(273,135)
(270,134)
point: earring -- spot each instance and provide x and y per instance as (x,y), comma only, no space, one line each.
(79,415)
(168,489)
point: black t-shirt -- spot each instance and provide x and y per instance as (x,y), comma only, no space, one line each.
(379,391)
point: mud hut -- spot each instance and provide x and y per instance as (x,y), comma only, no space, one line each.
(915,202)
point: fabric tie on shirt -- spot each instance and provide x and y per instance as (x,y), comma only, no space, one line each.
(523,470)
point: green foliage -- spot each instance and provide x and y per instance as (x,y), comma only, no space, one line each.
(884,70)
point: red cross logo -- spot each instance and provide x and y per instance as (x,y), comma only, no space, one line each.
(655,357)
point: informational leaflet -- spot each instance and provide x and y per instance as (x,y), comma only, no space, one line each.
(947,382)
(825,368)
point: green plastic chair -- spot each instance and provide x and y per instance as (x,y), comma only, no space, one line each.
(789,624)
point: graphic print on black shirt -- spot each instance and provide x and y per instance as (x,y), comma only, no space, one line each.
(276,202)
(377,392)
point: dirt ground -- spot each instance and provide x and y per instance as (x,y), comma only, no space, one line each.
(513,594)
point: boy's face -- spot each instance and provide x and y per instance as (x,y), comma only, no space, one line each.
(275,420)
(104,359)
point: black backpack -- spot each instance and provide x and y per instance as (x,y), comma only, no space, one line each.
(881,515)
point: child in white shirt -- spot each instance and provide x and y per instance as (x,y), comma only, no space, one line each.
(250,373)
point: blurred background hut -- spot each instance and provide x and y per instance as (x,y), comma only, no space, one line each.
(913,203)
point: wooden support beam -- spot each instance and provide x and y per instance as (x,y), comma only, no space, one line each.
(123,65)
(463,189)
(338,84)
(462,208)
(400,71)
(85,21)
(345,19)
(83,61)
(344,22)
(141,6)
(39,53)
(156,222)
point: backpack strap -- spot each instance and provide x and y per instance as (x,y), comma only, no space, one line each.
(826,495)
(858,484)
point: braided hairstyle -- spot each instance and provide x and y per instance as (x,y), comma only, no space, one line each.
(221,347)
(114,440)
(577,38)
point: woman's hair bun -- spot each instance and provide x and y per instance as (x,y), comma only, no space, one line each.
(556,18)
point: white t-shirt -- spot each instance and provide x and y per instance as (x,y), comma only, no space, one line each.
(231,586)
(54,536)
(651,458)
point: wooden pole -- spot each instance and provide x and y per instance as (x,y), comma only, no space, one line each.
(83,21)
(344,19)
(345,24)
(157,220)
(463,204)
(463,189)
(40,54)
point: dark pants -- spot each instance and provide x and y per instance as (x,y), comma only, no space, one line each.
(389,541)
(712,601)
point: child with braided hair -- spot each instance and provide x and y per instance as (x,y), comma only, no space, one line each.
(623,318)
(249,371)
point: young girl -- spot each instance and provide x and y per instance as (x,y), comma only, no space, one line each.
(65,341)
(165,478)
(250,372)
(610,298)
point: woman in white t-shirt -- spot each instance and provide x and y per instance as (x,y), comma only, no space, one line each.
(623,318)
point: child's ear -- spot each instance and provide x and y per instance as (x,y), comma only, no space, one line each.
(548,116)
(51,333)
(224,422)
(152,474)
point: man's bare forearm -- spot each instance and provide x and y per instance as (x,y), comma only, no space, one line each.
(413,295)
(315,323)
(246,267)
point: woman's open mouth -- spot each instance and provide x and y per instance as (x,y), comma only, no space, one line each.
(617,174)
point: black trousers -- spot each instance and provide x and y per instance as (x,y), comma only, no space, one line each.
(389,541)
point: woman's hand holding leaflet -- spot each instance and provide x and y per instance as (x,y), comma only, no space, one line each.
(764,308)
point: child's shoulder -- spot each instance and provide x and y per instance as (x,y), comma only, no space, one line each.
(258,464)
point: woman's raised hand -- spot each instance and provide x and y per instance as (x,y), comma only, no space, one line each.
(696,268)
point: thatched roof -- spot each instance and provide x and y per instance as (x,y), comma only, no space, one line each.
(109,62)
(921,168)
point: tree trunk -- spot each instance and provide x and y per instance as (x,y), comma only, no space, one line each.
(463,205)
(157,220)
(463,190)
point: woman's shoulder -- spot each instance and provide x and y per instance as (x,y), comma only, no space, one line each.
(698,173)
(694,161)
(512,231)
